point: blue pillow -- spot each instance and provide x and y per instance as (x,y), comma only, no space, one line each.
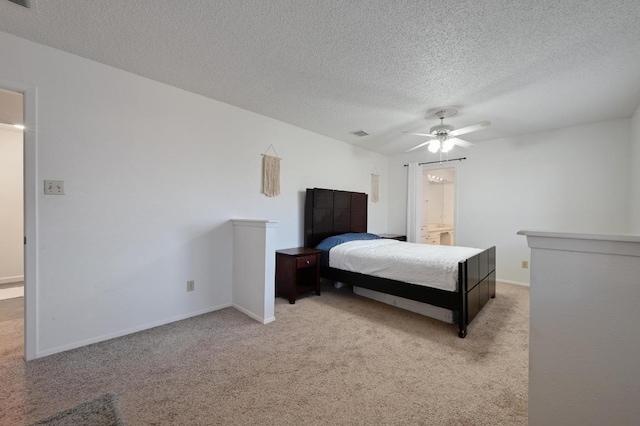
(329,243)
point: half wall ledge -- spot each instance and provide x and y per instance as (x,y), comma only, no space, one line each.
(584,340)
(253,282)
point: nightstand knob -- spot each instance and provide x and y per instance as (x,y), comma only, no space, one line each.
(308,262)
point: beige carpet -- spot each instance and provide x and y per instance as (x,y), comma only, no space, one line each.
(102,411)
(337,359)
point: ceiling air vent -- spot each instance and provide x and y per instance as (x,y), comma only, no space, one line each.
(359,133)
(23,3)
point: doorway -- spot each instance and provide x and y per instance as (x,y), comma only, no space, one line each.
(12,211)
(438,219)
(28,95)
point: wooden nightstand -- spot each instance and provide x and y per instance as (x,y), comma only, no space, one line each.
(297,271)
(393,237)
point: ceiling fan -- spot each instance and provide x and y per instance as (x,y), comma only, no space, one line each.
(444,136)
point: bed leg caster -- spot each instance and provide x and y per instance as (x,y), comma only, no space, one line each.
(462,334)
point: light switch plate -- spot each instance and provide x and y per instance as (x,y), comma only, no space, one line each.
(54,187)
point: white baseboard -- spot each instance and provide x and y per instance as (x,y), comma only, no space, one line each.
(500,280)
(16,279)
(254,316)
(109,336)
(11,293)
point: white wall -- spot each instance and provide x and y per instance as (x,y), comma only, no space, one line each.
(11,211)
(153,174)
(634,211)
(10,107)
(571,179)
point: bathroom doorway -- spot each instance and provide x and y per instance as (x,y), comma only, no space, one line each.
(438,207)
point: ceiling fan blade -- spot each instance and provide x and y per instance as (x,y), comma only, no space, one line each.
(421,134)
(418,146)
(462,143)
(469,129)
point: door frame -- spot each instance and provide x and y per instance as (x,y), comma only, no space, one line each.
(30,201)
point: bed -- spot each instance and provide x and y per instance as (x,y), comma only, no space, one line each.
(331,212)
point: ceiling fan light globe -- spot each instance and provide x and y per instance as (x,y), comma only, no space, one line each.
(447,145)
(434,146)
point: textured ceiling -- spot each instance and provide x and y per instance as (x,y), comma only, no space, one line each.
(337,66)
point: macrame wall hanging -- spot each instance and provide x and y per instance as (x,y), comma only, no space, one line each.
(271,173)
(375,179)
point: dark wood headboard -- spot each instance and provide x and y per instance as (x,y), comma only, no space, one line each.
(330,212)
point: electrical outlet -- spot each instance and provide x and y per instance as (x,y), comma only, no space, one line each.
(525,264)
(191,285)
(54,187)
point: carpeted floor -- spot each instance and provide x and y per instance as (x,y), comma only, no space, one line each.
(337,359)
(102,411)
(11,309)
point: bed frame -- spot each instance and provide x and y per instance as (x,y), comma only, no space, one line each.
(330,212)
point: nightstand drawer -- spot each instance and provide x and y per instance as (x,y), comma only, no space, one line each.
(306,261)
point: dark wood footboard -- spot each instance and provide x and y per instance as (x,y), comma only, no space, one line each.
(476,285)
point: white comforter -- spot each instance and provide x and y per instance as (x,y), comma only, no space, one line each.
(423,264)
